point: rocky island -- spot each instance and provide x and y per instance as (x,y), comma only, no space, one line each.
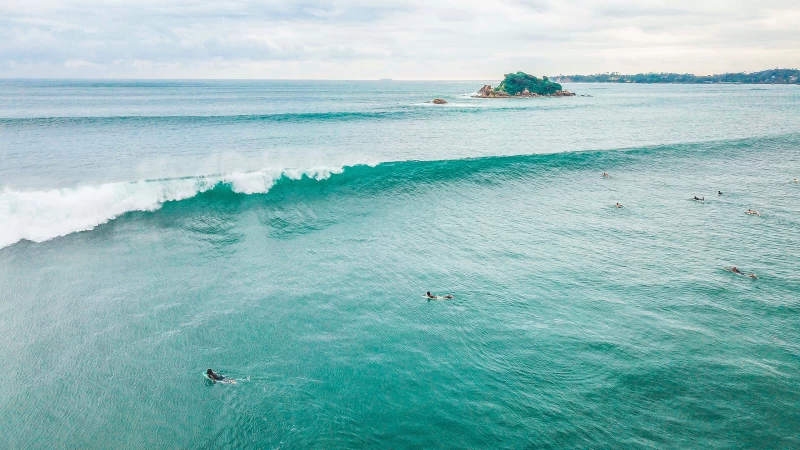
(521,84)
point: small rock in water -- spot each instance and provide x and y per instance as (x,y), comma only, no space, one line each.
(439,101)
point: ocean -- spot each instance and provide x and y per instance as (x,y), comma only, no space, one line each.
(284,233)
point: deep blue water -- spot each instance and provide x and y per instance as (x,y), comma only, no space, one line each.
(284,233)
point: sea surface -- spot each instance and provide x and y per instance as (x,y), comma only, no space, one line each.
(283,233)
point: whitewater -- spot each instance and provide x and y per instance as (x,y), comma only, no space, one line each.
(283,233)
(41,215)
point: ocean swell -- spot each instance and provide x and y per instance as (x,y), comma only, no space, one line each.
(42,215)
(205,120)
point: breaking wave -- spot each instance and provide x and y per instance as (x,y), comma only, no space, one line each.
(41,215)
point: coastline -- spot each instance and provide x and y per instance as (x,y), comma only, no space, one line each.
(771,76)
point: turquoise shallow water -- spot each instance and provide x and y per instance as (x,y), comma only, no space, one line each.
(283,233)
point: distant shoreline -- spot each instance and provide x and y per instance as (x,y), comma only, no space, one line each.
(773,76)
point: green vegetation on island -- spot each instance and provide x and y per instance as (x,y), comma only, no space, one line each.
(514,83)
(774,76)
(521,84)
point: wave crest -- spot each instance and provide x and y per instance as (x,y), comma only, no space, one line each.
(42,215)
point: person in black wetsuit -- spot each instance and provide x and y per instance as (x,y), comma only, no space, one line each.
(214,376)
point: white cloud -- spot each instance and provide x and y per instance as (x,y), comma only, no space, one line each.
(412,39)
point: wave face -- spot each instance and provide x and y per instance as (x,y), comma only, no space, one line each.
(41,215)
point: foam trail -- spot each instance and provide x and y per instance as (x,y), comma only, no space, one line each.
(41,215)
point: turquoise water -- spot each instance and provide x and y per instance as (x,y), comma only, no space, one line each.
(283,234)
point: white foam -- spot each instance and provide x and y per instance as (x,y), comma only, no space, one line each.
(41,215)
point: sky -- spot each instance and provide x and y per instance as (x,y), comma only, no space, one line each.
(399,39)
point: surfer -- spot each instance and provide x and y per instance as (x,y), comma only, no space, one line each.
(619,205)
(796,180)
(699,199)
(214,377)
(606,175)
(719,192)
(752,213)
(429,295)
(734,269)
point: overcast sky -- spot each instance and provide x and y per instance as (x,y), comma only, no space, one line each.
(401,39)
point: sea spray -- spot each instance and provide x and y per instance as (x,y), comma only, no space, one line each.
(41,215)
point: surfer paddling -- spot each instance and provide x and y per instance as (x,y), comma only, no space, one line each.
(736,270)
(699,199)
(752,212)
(214,377)
(434,297)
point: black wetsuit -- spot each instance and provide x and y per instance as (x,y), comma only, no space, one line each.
(215,376)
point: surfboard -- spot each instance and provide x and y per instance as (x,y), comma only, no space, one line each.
(752,276)
(225,381)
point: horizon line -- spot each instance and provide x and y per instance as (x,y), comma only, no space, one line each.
(383,79)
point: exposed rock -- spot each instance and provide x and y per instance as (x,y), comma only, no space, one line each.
(439,101)
(485,91)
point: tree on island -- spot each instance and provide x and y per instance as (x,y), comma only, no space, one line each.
(515,83)
(773,76)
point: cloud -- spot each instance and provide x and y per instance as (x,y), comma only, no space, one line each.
(353,39)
